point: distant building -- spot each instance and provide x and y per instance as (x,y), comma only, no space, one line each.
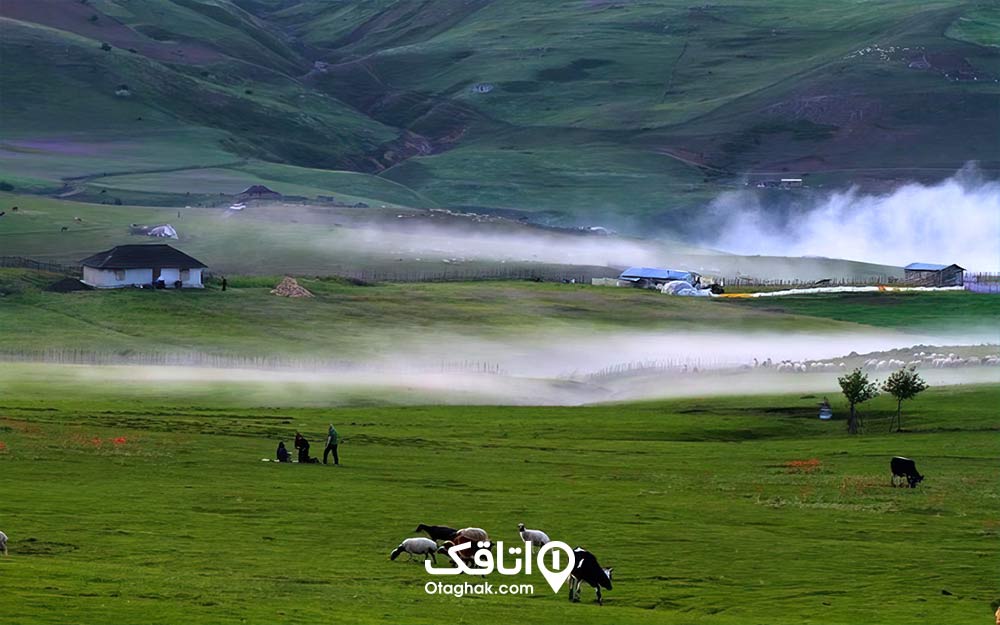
(650,277)
(258,192)
(791,183)
(142,265)
(928,274)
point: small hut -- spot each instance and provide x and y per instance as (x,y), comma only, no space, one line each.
(258,192)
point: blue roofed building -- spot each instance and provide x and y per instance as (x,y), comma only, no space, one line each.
(929,274)
(649,277)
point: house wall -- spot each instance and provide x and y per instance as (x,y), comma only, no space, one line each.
(190,278)
(111,279)
(108,278)
(193,280)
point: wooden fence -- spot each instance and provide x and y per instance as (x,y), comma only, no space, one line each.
(647,367)
(231,361)
(29,263)
(982,282)
(545,273)
(743,281)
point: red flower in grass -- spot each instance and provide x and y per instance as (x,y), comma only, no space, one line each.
(3,446)
(803,466)
(119,441)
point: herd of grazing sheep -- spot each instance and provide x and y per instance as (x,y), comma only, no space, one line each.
(585,566)
(917,360)
(934,360)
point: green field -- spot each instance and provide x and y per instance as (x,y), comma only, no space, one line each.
(957,310)
(692,502)
(454,173)
(344,319)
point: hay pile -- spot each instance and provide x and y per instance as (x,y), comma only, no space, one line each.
(289,287)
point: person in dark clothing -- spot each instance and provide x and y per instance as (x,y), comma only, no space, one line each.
(303,446)
(225,283)
(282,454)
(332,440)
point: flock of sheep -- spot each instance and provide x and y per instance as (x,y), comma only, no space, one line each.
(442,538)
(932,359)
(917,360)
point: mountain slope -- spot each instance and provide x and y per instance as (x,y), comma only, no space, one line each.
(571,111)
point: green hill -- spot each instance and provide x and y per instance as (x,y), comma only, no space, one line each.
(572,112)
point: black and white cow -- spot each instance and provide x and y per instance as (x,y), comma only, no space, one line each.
(905,468)
(586,568)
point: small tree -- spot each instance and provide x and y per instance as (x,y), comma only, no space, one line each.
(903,384)
(857,389)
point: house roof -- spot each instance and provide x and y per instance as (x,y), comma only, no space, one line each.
(652,273)
(257,189)
(141,257)
(930,267)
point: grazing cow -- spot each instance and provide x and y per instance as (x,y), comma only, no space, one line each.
(586,568)
(905,468)
(63,229)
(437,532)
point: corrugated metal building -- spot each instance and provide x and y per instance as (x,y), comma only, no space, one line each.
(650,276)
(928,274)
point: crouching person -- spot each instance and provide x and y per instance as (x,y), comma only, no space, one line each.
(282,453)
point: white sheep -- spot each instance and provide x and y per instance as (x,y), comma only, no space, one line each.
(3,543)
(416,547)
(535,537)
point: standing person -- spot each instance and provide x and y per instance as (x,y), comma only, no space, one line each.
(225,283)
(332,440)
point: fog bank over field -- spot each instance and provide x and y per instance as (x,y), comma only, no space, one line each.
(551,369)
(574,354)
(426,241)
(954,221)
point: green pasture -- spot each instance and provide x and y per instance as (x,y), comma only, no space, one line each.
(347,319)
(250,242)
(344,319)
(152,510)
(957,310)
(980,25)
(304,239)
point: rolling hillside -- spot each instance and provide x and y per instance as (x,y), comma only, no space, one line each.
(632,113)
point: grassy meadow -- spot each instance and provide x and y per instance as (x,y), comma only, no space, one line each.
(299,238)
(343,319)
(160,511)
